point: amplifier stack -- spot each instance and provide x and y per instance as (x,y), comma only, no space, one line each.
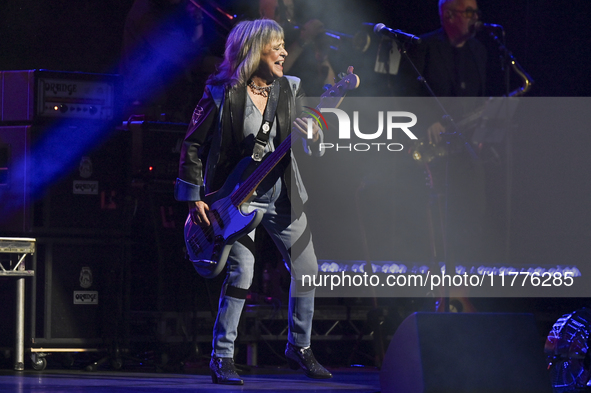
(98,198)
(64,177)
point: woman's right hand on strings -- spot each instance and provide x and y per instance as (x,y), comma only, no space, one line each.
(198,211)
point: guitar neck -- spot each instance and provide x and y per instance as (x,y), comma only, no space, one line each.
(242,193)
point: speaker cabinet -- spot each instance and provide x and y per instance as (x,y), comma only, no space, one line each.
(63,177)
(83,172)
(465,353)
(79,290)
(14,191)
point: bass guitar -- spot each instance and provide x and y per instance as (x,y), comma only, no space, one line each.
(208,246)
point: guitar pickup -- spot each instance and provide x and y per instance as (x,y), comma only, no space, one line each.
(217,246)
(208,232)
(218,218)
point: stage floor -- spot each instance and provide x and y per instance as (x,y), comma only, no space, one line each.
(257,380)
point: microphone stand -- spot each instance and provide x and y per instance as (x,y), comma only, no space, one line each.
(457,134)
(509,59)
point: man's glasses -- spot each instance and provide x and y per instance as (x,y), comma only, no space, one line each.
(469,13)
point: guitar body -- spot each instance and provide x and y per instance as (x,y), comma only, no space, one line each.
(208,246)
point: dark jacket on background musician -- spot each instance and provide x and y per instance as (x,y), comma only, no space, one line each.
(434,59)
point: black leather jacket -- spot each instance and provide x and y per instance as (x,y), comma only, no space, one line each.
(210,151)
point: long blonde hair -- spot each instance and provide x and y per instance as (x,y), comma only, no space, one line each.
(243,51)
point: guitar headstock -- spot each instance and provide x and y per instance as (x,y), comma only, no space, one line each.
(333,96)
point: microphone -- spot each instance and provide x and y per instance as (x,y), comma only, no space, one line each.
(490,27)
(397,35)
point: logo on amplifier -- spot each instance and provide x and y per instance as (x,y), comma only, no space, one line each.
(86,297)
(57,87)
(85,187)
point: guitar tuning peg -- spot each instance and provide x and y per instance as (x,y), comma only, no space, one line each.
(327,87)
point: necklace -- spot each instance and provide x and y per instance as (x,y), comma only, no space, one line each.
(258,90)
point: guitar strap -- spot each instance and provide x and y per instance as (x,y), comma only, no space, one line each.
(262,137)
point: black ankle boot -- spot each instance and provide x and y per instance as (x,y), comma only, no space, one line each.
(304,358)
(224,372)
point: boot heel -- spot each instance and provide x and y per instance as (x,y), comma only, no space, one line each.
(293,364)
(304,358)
(223,372)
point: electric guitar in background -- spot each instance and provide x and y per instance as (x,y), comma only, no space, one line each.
(208,246)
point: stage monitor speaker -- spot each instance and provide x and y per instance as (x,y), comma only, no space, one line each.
(465,353)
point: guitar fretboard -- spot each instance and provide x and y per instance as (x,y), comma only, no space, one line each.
(265,167)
